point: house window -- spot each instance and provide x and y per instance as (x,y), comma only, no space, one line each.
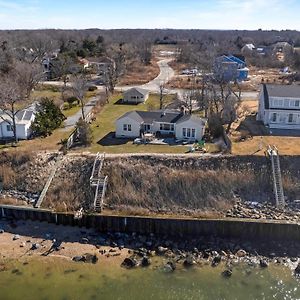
(274,117)
(297,103)
(127,127)
(286,103)
(291,118)
(188,132)
(184,132)
(9,128)
(193,132)
(166,127)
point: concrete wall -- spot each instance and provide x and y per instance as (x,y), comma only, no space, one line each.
(245,230)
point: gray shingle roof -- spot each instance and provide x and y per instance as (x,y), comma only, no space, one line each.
(159,116)
(287,91)
(192,118)
(163,116)
(141,91)
(133,115)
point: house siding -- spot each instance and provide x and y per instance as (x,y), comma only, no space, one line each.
(287,110)
(135,128)
(199,129)
(23,131)
(133,96)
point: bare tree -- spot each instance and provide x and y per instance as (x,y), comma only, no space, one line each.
(79,89)
(15,89)
(144,51)
(188,99)
(162,94)
(11,97)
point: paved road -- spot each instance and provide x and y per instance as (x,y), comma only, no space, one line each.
(71,121)
(166,74)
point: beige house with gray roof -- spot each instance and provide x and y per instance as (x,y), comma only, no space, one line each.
(135,96)
(161,123)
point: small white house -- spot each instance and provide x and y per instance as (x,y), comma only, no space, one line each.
(279,106)
(135,96)
(24,119)
(160,123)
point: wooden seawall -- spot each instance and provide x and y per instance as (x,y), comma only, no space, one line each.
(241,229)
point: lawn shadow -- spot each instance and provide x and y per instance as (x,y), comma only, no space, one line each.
(257,128)
(111,140)
(121,102)
(253,127)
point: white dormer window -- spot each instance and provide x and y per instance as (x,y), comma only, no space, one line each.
(297,103)
(286,103)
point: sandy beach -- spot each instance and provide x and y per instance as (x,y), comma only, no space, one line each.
(23,239)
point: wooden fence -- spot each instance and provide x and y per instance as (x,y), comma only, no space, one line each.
(245,230)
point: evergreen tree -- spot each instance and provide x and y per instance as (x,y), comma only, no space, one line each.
(48,118)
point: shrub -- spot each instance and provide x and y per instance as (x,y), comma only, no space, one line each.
(84,133)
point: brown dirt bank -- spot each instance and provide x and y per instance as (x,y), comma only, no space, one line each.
(153,184)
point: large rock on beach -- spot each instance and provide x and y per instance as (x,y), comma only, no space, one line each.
(129,262)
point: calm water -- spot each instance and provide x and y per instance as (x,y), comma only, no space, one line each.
(54,279)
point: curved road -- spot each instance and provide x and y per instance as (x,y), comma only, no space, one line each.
(166,74)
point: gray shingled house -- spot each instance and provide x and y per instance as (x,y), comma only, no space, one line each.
(279,106)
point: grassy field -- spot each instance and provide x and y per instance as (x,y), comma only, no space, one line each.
(285,145)
(138,73)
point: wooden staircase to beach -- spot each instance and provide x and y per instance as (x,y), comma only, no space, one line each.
(98,182)
(277,181)
(48,182)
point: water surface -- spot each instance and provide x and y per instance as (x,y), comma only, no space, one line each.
(55,278)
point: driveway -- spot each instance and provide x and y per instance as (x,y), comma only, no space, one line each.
(71,121)
(166,74)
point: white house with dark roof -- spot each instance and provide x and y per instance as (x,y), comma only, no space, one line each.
(162,122)
(135,95)
(279,106)
(24,119)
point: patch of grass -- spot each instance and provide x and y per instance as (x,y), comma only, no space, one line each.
(47,93)
(51,142)
(71,111)
(285,145)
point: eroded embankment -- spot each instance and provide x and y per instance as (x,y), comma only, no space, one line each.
(157,184)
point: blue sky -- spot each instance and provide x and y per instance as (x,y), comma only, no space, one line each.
(198,14)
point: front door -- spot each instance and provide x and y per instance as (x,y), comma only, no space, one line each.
(147,127)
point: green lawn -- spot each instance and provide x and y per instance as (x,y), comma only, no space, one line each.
(71,111)
(105,123)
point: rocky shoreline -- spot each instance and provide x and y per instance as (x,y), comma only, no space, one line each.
(28,239)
